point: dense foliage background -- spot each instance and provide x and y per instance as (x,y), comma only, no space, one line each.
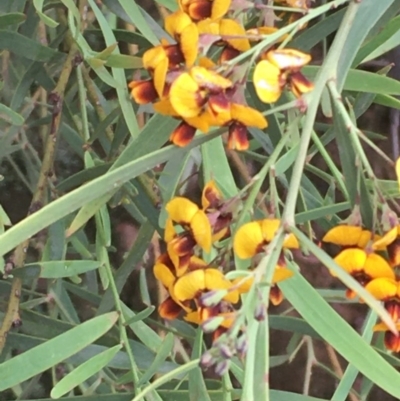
(86,174)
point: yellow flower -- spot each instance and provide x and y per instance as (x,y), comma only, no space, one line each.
(168,273)
(197,229)
(193,91)
(279,68)
(185,32)
(252,237)
(202,9)
(363,266)
(192,284)
(242,117)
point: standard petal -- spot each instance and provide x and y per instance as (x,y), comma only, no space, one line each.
(352,260)
(201,230)
(266,81)
(181,210)
(382,288)
(248,239)
(189,285)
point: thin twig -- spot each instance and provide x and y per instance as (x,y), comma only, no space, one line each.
(337,368)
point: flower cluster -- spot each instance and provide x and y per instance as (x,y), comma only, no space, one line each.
(197,290)
(201,92)
(373,261)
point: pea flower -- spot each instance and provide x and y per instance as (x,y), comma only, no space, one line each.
(280,68)
(363,266)
(202,9)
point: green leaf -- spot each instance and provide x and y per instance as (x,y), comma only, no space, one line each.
(216,167)
(38,4)
(10,115)
(134,256)
(118,74)
(162,355)
(363,81)
(364,20)
(338,333)
(87,212)
(381,43)
(11,19)
(135,15)
(56,269)
(197,386)
(124,61)
(26,47)
(84,372)
(24,366)
(88,192)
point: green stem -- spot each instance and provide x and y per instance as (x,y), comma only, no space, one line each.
(82,103)
(122,328)
(167,377)
(326,72)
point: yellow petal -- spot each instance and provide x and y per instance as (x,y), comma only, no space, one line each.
(193,317)
(209,79)
(154,56)
(200,122)
(219,8)
(181,210)
(243,284)
(343,235)
(290,242)
(189,42)
(184,96)
(159,76)
(201,230)
(164,274)
(209,27)
(206,62)
(280,274)
(382,288)
(269,228)
(266,81)
(230,27)
(169,230)
(248,239)
(376,266)
(215,280)
(189,285)
(248,116)
(386,240)
(288,58)
(164,107)
(176,22)
(352,260)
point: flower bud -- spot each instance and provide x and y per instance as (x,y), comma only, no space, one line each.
(207,360)
(242,345)
(222,367)
(226,351)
